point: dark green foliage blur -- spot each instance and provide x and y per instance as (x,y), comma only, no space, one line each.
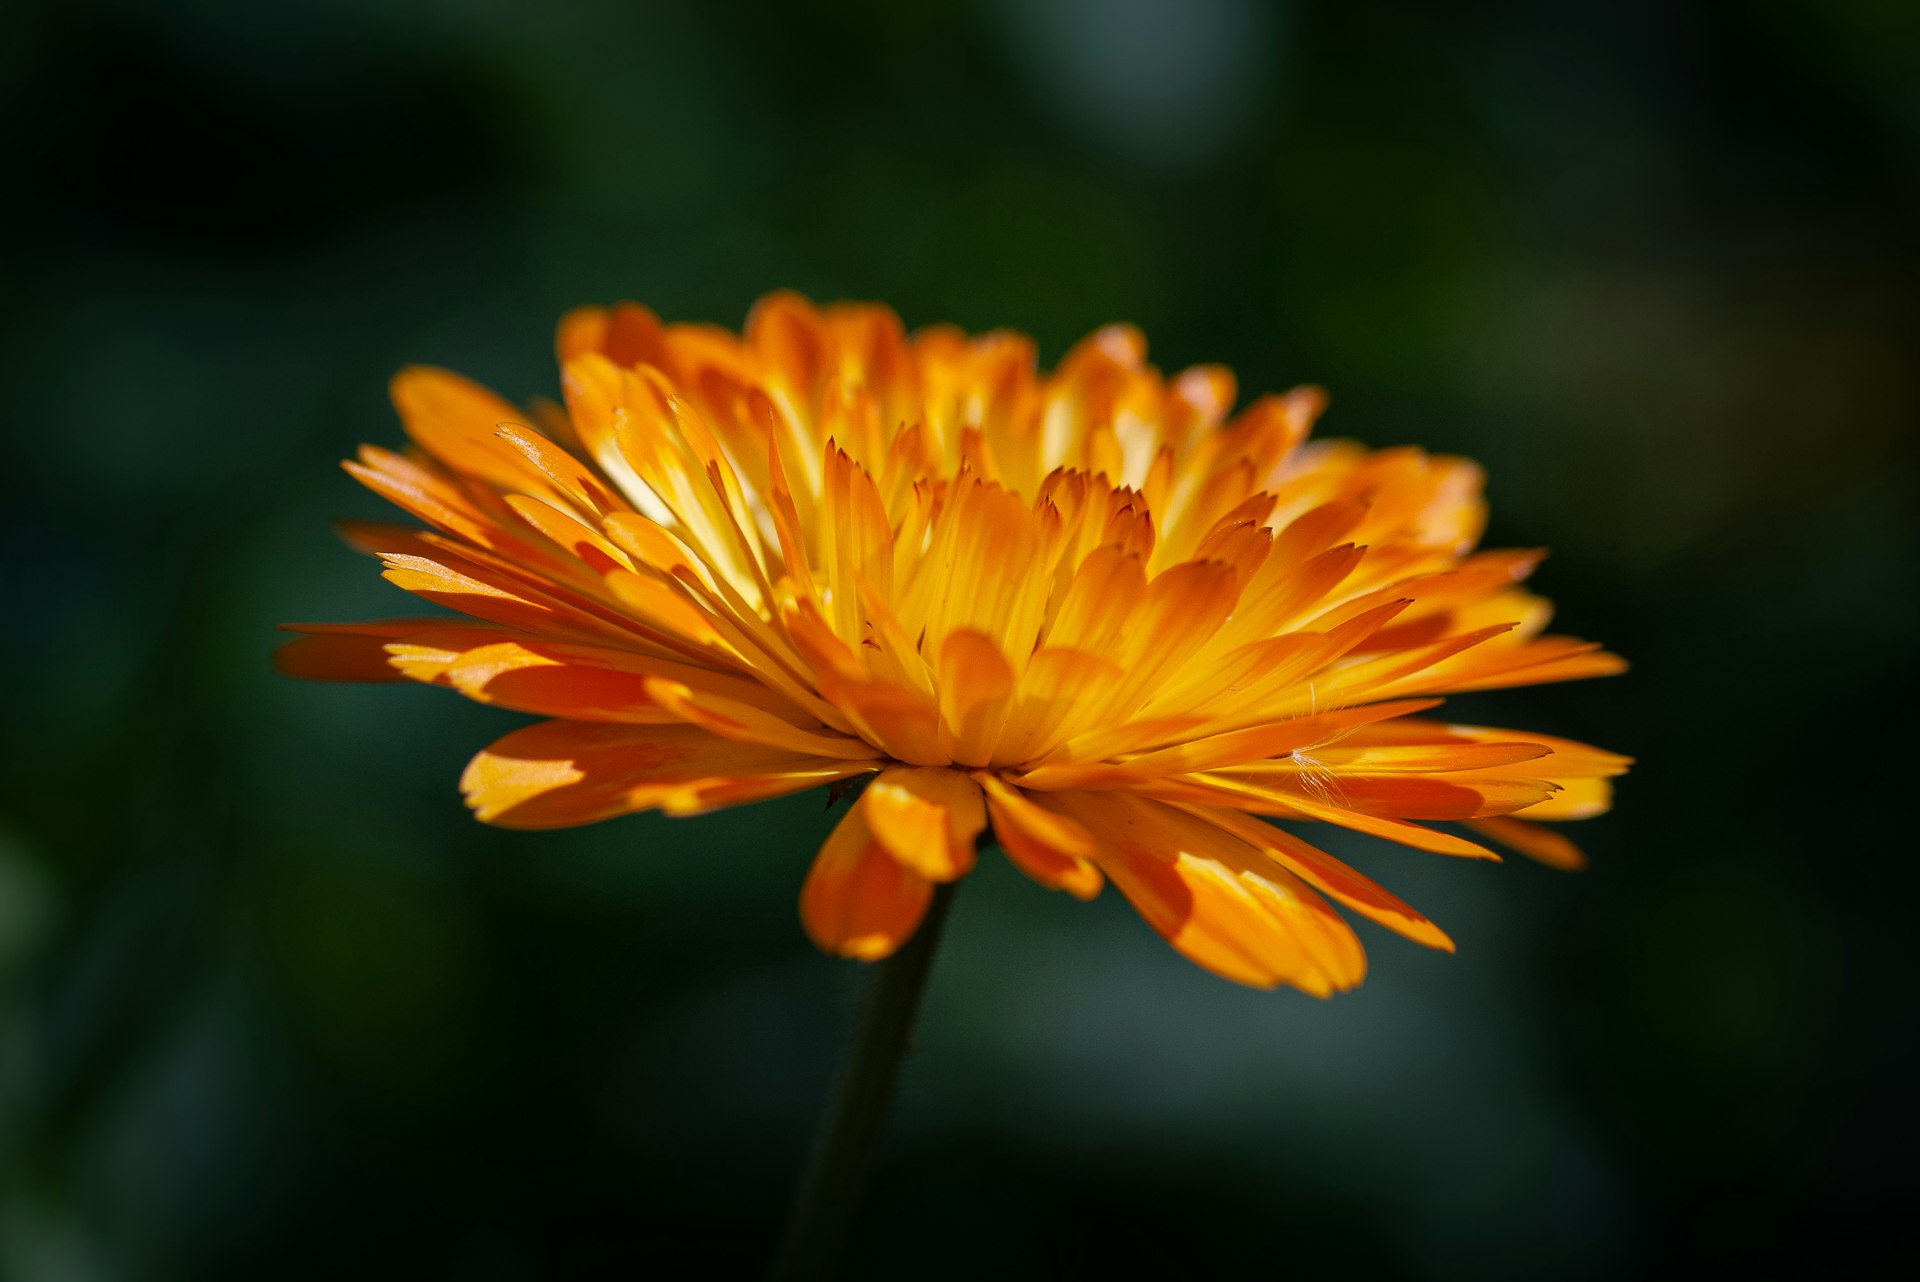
(273,1005)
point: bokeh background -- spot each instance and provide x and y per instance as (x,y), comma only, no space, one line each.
(272,1004)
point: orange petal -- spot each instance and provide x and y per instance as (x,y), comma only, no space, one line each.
(1317,530)
(1216,900)
(975,690)
(346,651)
(899,718)
(1407,834)
(733,719)
(529,676)
(786,332)
(1427,797)
(1105,591)
(571,533)
(416,486)
(1328,875)
(1537,662)
(858,900)
(1430,758)
(627,334)
(560,773)
(559,678)
(1414,671)
(471,582)
(1048,847)
(1533,841)
(573,479)
(1385,742)
(669,610)
(1235,747)
(1255,799)
(1578,798)
(927,817)
(1058,688)
(456,420)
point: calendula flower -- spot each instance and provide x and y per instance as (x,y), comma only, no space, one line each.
(1095,609)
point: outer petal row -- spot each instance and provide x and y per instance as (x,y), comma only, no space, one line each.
(557,774)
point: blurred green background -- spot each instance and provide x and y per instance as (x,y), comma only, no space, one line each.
(272,1004)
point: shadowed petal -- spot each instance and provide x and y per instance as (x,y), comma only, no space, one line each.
(858,900)
(561,773)
(1046,846)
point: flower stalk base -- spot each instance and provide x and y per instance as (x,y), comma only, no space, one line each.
(829,1192)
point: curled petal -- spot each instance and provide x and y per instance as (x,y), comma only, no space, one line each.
(1047,846)
(927,818)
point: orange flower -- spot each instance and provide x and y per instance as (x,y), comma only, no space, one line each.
(1094,609)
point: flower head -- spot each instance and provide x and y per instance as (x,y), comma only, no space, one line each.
(1094,609)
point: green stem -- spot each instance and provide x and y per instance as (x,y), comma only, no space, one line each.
(824,1204)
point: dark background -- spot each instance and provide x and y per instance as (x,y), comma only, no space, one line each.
(271,1004)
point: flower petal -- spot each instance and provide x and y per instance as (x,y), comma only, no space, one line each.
(1215,899)
(1578,798)
(346,651)
(456,420)
(561,773)
(735,719)
(1407,834)
(926,817)
(1048,847)
(858,900)
(528,676)
(1534,841)
(975,691)
(1326,874)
